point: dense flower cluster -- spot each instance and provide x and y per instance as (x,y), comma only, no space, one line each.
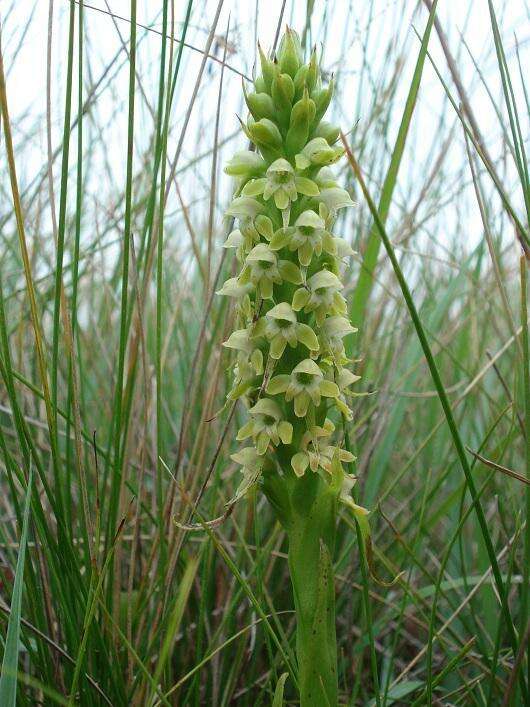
(292,317)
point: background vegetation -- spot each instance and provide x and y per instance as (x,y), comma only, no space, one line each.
(115,124)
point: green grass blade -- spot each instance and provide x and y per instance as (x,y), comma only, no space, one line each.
(8,675)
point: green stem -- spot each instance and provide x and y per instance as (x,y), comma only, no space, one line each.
(309,514)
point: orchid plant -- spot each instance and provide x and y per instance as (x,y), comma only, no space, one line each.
(291,369)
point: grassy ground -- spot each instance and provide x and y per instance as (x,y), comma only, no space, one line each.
(112,377)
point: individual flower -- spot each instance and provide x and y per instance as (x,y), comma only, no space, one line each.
(333,331)
(344,380)
(266,426)
(321,296)
(304,385)
(282,183)
(246,164)
(348,482)
(316,450)
(263,269)
(333,199)
(281,327)
(245,208)
(241,341)
(318,152)
(252,467)
(307,236)
(234,288)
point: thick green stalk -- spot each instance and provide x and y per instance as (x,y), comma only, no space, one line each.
(311,541)
(307,509)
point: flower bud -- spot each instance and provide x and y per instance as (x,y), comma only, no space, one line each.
(328,131)
(245,163)
(260,105)
(290,53)
(282,91)
(322,99)
(268,69)
(259,84)
(300,80)
(265,134)
(302,116)
(312,72)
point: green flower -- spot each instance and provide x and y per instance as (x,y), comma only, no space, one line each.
(348,482)
(245,208)
(307,236)
(318,152)
(304,385)
(246,164)
(282,183)
(249,357)
(266,426)
(317,452)
(263,269)
(333,199)
(281,327)
(333,331)
(234,288)
(252,467)
(321,296)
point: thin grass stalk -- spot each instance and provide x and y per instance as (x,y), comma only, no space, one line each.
(525,599)
(122,346)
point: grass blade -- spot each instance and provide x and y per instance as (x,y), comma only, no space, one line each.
(8,676)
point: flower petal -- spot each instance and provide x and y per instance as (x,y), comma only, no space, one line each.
(300,462)
(329,389)
(300,299)
(246,431)
(290,272)
(278,384)
(255,187)
(307,336)
(264,226)
(280,239)
(285,430)
(301,404)
(262,443)
(277,348)
(265,288)
(282,311)
(281,199)
(306,186)
(305,253)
